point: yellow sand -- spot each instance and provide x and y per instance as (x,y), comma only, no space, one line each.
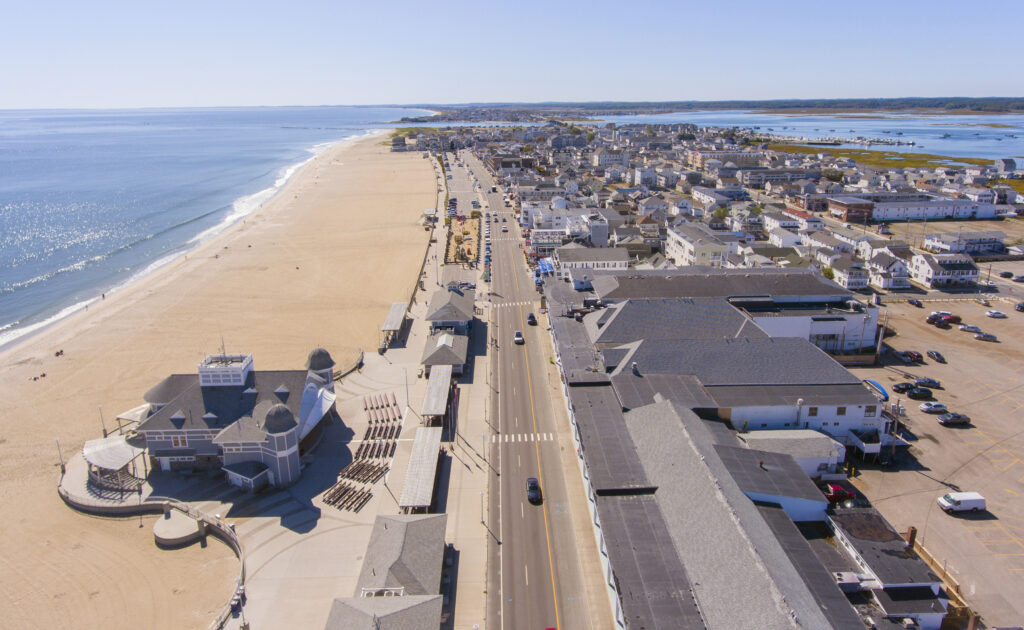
(318,265)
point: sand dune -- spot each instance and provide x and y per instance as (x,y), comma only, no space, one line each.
(318,265)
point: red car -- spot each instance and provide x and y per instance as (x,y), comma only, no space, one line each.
(836,493)
(914,356)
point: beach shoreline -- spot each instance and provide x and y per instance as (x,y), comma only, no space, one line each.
(17,334)
(317,265)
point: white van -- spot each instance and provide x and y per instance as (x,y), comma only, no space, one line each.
(962,502)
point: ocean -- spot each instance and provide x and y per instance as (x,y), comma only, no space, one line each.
(90,200)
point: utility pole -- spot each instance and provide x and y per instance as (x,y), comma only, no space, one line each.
(102,424)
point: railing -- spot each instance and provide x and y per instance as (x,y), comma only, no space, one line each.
(158,504)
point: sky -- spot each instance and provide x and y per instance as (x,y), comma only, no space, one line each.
(108,54)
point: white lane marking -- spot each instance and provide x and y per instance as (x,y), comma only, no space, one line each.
(526,568)
(522,513)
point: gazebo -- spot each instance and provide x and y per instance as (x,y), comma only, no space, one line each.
(110,459)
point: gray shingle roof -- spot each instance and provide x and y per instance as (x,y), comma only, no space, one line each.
(653,319)
(882,548)
(411,612)
(446,306)
(591,254)
(437,352)
(181,392)
(695,282)
(405,550)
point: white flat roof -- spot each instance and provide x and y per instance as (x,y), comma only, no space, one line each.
(396,315)
(418,489)
(435,401)
(110,453)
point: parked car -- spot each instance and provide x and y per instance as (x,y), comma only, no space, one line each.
(902,356)
(994,314)
(1019,306)
(518,338)
(951,319)
(1018,278)
(969,328)
(932,319)
(1005,274)
(901,388)
(914,355)
(933,407)
(924,381)
(936,356)
(919,393)
(836,493)
(940,313)
(533,494)
(961,502)
(984,336)
(531,319)
(948,419)
(914,302)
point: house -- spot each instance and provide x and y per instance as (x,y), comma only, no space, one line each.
(849,273)
(943,270)
(815,452)
(574,256)
(445,348)
(779,237)
(251,424)
(693,244)
(450,309)
(655,207)
(888,272)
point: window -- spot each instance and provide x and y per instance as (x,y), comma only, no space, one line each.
(840,411)
(870,411)
(179,441)
(812,412)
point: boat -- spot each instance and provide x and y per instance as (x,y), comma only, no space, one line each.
(947,135)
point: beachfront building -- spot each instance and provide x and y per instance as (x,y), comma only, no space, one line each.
(251,424)
(982,242)
(943,270)
(450,310)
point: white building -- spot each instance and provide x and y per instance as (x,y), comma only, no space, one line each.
(965,242)
(943,270)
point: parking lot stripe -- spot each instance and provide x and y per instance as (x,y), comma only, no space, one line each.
(1011,492)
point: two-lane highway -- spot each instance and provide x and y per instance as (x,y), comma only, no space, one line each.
(535,570)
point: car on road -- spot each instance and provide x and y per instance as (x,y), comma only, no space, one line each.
(1005,274)
(919,393)
(518,338)
(924,381)
(901,388)
(969,328)
(531,319)
(994,314)
(936,356)
(950,419)
(914,302)
(533,494)
(504,228)
(933,407)
(984,336)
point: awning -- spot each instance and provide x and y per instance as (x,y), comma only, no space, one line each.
(138,414)
(435,402)
(418,489)
(110,453)
(393,322)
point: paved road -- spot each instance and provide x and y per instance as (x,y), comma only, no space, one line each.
(535,571)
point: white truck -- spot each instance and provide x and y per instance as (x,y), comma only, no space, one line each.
(961,502)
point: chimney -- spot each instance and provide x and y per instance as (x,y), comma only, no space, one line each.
(636,368)
(911,536)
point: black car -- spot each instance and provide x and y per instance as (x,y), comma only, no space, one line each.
(931,319)
(914,302)
(900,388)
(1019,306)
(531,319)
(924,381)
(533,491)
(953,418)
(936,356)
(919,393)
(1005,274)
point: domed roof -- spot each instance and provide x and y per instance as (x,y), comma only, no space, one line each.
(319,359)
(279,419)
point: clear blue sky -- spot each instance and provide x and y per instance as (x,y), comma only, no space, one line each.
(105,53)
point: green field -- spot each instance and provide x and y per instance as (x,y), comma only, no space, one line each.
(882,159)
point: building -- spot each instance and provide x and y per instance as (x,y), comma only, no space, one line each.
(965,243)
(251,424)
(863,207)
(943,270)
(694,244)
(450,310)
(576,257)
(850,273)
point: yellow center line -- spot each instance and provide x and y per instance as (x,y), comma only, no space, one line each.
(540,474)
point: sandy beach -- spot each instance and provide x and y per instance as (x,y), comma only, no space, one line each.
(318,265)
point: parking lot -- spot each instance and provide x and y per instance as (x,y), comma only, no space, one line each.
(983,552)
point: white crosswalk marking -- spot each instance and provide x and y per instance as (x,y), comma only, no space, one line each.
(522,437)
